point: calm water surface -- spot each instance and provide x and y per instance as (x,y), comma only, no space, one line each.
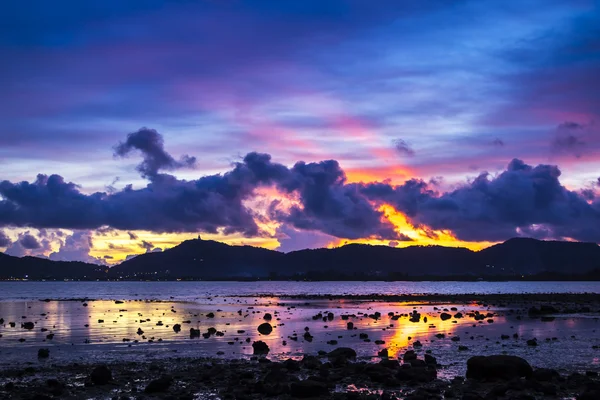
(104,329)
(190,291)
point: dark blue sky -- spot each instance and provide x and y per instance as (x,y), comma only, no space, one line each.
(394,91)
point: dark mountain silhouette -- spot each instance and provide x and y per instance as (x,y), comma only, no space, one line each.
(207,259)
(202,259)
(42,268)
(531,256)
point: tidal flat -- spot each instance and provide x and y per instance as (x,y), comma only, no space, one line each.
(315,346)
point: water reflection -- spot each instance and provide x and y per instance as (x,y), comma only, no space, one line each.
(104,329)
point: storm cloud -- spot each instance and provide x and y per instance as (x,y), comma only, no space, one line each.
(521,199)
(150,143)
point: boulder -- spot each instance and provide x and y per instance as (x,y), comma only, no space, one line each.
(346,352)
(159,385)
(260,347)
(43,353)
(265,328)
(308,388)
(267,317)
(444,316)
(545,375)
(416,374)
(502,367)
(55,387)
(101,375)
(27,325)
(177,328)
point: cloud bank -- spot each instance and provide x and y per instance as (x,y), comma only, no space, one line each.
(521,199)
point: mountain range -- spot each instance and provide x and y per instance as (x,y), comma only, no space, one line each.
(211,260)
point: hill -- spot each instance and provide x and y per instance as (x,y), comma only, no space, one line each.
(211,260)
(41,268)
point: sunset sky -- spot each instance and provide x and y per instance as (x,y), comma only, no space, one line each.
(129,126)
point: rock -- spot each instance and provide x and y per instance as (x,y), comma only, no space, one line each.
(409,356)
(383,353)
(159,385)
(392,364)
(444,316)
(458,315)
(502,367)
(419,374)
(267,317)
(265,328)
(589,395)
(308,388)
(310,362)
(346,352)
(349,326)
(55,388)
(43,353)
(260,347)
(543,310)
(194,333)
(27,325)
(430,360)
(532,342)
(291,365)
(545,374)
(210,315)
(177,328)
(101,375)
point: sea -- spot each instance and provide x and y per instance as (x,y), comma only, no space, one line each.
(87,322)
(191,291)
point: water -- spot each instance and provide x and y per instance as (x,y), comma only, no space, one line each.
(96,330)
(191,291)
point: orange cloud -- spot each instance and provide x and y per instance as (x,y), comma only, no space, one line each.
(422,236)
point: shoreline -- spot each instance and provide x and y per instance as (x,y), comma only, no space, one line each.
(335,375)
(399,358)
(401,298)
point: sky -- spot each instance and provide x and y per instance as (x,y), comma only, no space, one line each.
(127,127)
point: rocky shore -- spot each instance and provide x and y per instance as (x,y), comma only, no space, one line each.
(500,364)
(334,375)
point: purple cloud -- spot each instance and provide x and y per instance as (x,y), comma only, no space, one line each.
(150,143)
(4,239)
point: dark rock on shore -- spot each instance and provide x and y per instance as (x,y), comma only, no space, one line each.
(28,325)
(260,347)
(265,328)
(502,367)
(346,352)
(159,385)
(308,388)
(43,353)
(101,375)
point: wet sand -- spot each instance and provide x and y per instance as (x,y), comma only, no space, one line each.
(138,341)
